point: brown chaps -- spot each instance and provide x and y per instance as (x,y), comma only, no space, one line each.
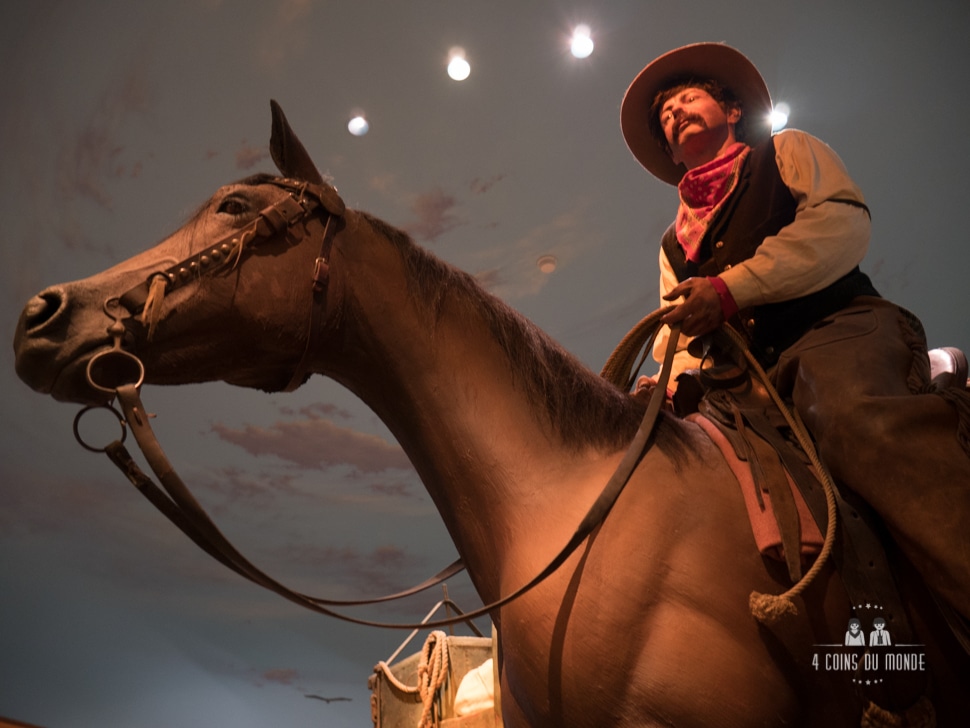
(860,381)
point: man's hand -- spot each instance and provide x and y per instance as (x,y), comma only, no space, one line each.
(701,312)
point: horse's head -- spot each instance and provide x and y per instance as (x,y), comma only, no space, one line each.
(184,308)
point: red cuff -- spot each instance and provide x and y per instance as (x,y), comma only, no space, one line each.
(728,305)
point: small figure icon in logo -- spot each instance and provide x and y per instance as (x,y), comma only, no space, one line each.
(879,635)
(855,635)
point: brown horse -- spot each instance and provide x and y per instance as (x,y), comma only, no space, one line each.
(648,623)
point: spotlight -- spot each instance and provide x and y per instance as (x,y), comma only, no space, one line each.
(358,126)
(458,67)
(581,45)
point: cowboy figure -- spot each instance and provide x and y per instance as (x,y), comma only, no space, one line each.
(768,236)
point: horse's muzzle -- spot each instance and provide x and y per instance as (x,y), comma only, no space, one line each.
(51,357)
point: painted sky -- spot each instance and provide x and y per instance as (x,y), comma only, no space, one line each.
(119,118)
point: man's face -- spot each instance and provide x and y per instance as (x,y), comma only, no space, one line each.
(696,126)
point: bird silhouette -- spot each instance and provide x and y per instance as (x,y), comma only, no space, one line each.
(327,700)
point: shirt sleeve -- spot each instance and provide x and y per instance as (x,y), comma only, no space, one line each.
(828,237)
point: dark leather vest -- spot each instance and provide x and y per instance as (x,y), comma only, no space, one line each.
(760,206)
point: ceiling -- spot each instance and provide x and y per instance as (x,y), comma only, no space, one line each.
(120,118)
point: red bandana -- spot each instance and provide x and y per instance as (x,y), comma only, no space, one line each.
(702,192)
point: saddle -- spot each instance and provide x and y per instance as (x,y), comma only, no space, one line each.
(785,483)
(745,415)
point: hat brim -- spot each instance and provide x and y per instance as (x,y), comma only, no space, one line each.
(715,61)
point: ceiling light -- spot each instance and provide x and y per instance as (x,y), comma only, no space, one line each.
(458,67)
(581,45)
(547,263)
(358,126)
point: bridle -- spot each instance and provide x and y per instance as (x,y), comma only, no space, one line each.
(314,206)
(311,204)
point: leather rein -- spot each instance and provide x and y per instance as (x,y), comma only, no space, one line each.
(307,203)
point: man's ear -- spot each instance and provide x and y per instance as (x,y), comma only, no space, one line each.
(734,115)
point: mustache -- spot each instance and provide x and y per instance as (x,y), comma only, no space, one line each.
(683,121)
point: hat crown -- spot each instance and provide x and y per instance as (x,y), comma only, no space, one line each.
(715,61)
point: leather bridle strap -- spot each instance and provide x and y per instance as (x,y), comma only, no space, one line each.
(178,504)
(304,200)
(229,251)
(185,512)
(318,283)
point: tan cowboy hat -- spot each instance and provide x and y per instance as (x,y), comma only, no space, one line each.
(702,60)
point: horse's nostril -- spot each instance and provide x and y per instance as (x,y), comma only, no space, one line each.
(42,308)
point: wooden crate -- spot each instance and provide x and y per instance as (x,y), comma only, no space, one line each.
(392,708)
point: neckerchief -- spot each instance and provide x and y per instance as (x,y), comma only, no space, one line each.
(703,191)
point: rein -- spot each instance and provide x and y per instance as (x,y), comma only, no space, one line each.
(179,506)
(175,500)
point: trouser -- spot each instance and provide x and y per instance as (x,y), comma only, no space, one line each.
(860,381)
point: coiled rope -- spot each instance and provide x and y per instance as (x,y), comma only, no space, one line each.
(621,369)
(768,608)
(433,668)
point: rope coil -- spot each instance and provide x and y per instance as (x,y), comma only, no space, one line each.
(433,669)
(621,368)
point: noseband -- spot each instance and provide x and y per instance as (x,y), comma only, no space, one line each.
(311,204)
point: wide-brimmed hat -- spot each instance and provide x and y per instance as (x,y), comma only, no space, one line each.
(715,61)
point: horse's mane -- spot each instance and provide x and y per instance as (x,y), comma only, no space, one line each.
(584,408)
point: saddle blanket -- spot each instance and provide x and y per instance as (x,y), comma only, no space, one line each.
(764,526)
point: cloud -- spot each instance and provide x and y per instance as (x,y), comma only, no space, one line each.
(435,216)
(94,154)
(382,182)
(286,33)
(480,186)
(248,156)
(90,157)
(394,490)
(315,409)
(433,212)
(259,490)
(317,442)
(385,569)
(285,676)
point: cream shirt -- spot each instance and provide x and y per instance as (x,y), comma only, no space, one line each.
(826,240)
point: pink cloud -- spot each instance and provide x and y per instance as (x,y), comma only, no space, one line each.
(94,154)
(234,486)
(316,442)
(316,409)
(384,569)
(490,279)
(248,156)
(435,216)
(286,34)
(279,676)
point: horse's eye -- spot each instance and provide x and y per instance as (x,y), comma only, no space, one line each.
(232,206)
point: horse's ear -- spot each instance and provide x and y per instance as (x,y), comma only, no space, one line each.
(288,153)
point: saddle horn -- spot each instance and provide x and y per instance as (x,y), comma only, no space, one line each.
(289,154)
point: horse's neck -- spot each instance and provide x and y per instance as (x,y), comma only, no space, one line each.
(495,467)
